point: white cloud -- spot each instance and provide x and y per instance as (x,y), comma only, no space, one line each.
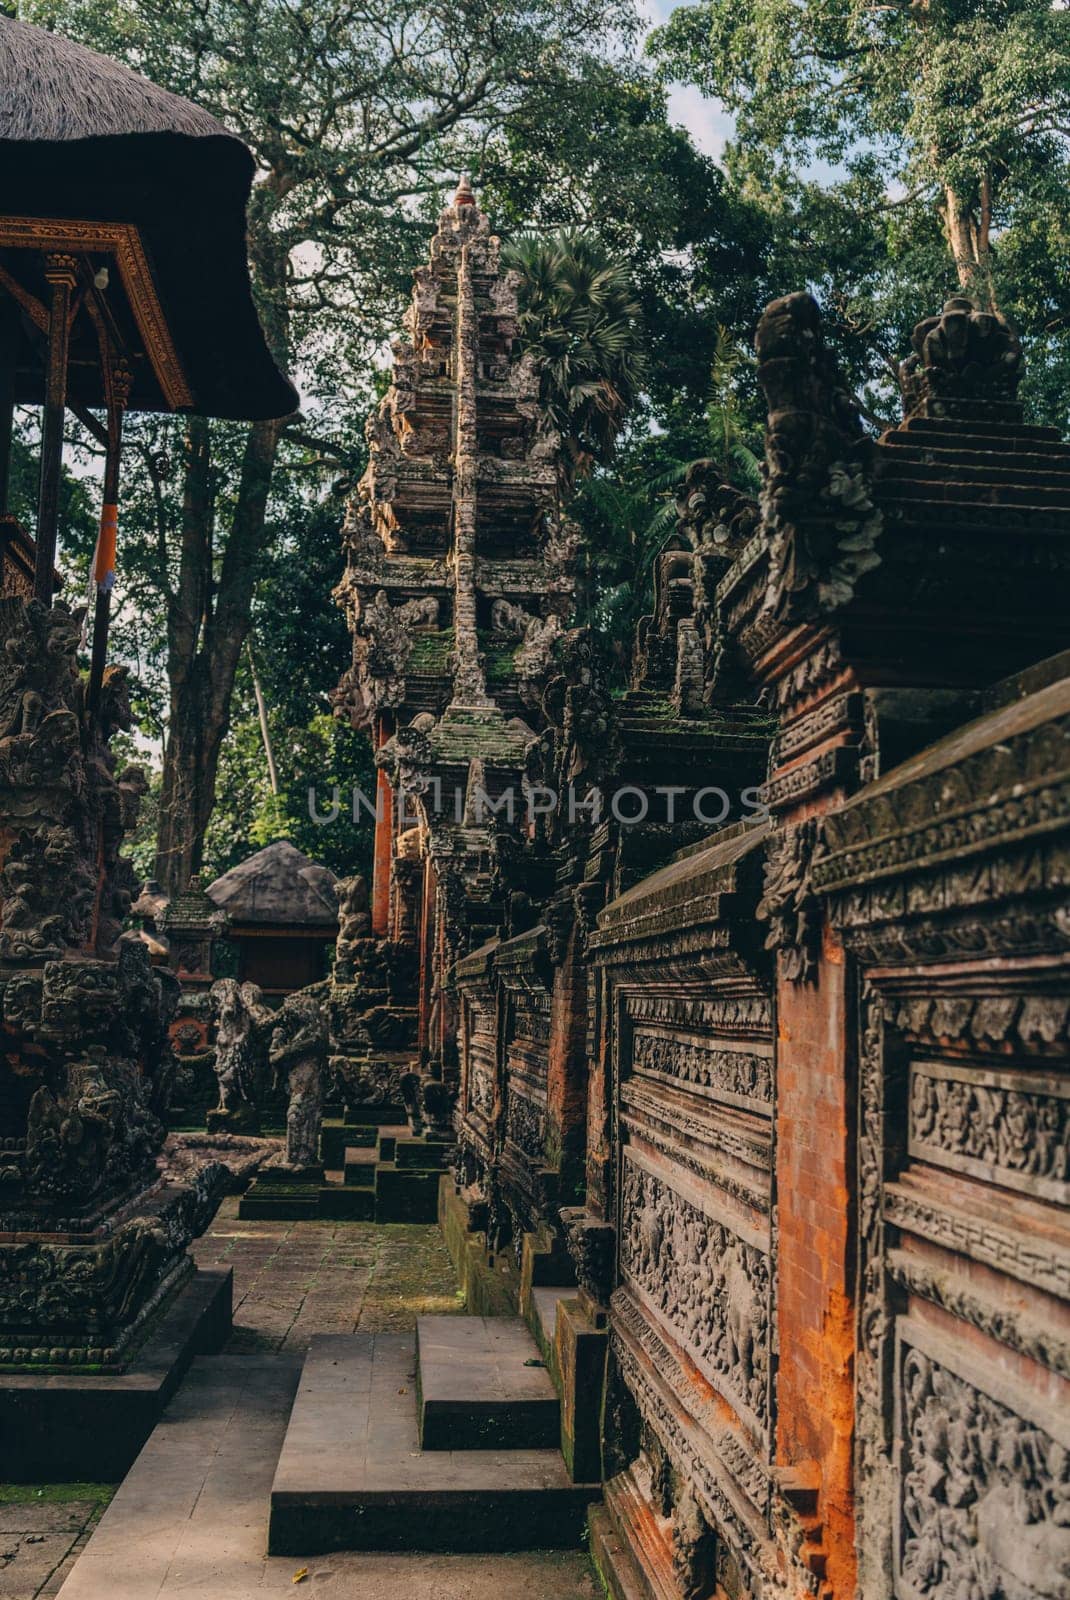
(707,121)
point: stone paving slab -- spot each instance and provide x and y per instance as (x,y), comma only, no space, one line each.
(41,1537)
(191,1517)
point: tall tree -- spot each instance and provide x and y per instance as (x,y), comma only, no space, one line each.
(896,152)
(357,111)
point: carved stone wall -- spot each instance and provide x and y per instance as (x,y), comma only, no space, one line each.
(826,1053)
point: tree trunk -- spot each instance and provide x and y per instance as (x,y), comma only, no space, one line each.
(207,624)
(968,229)
(265,727)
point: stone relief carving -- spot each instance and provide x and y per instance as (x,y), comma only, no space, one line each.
(525,1125)
(481,1091)
(693,1061)
(984,1495)
(788,902)
(711,1288)
(1017,1131)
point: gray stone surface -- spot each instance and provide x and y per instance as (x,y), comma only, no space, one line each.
(191,1517)
(40,1540)
(482,1384)
(352,1476)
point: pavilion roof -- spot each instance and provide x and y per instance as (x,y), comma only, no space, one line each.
(280,887)
(86,139)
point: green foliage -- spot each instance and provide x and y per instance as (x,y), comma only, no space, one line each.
(580,320)
(358,117)
(628,511)
(300,643)
(887,156)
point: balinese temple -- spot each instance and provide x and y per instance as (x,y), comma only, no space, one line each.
(124,285)
(761,1113)
(458,580)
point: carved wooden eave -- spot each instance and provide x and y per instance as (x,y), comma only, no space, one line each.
(121,243)
(694,917)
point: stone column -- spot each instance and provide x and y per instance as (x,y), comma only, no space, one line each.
(382,850)
(469,682)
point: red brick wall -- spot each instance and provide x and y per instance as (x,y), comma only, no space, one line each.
(815,1272)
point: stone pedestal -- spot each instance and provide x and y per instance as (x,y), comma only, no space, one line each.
(580,1343)
(243,1119)
(92,1242)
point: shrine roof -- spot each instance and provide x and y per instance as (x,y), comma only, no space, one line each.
(280,887)
(84,140)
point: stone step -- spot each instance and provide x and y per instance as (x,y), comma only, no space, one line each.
(941,466)
(1039,497)
(341,1204)
(375,1116)
(351,1475)
(405,1194)
(1026,432)
(425,1155)
(359,1169)
(482,1385)
(962,452)
(278,1202)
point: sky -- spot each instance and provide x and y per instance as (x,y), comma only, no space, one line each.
(708,123)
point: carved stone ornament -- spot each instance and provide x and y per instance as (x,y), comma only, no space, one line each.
(354,917)
(243,1024)
(788,904)
(962,355)
(590,1243)
(816,502)
(299,1053)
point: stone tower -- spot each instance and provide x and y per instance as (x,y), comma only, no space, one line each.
(458,582)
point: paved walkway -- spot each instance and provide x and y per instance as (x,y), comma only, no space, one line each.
(190,1518)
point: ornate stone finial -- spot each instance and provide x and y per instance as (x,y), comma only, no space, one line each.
(465,195)
(963,358)
(815,499)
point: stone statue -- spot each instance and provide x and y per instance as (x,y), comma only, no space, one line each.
(242,1021)
(354,917)
(299,1049)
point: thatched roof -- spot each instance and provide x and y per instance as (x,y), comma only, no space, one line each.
(52,88)
(82,137)
(280,888)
